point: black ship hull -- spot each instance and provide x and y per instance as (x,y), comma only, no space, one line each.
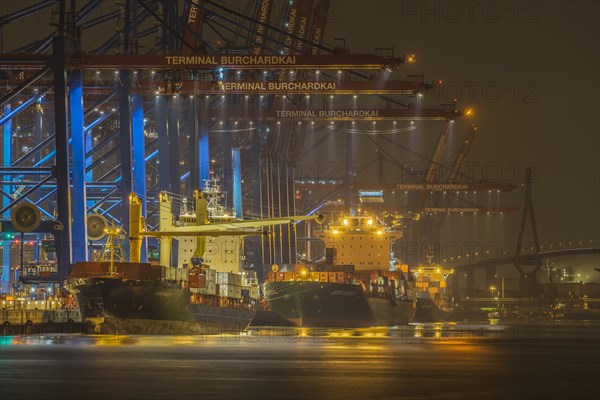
(269,318)
(427,311)
(319,304)
(389,312)
(112,305)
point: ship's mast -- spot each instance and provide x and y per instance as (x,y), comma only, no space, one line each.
(113,248)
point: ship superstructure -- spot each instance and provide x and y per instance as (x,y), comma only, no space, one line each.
(222,253)
(363,241)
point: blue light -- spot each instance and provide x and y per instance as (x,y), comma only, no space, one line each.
(367,193)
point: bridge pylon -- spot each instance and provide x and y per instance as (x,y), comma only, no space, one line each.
(528,284)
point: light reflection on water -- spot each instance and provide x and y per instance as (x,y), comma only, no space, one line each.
(549,361)
(414,333)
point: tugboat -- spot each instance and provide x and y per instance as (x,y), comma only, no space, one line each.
(360,284)
(115,296)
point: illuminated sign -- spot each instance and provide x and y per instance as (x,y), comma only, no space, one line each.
(326,113)
(276,86)
(230,60)
(433,187)
(213,61)
(343,114)
(300,87)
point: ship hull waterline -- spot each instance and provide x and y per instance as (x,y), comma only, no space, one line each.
(333,305)
(112,305)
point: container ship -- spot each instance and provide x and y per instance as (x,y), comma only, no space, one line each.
(194,297)
(431,300)
(136,298)
(360,284)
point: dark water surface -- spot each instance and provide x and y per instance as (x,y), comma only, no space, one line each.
(544,361)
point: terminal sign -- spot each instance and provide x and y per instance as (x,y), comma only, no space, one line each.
(302,87)
(231,60)
(432,186)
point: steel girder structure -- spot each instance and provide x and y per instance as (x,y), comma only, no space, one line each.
(104,157)
(63,144)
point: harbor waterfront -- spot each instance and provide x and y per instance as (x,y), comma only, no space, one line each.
(299,199)
(549,360)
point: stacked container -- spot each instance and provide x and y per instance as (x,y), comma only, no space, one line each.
(230,285)
(211,282)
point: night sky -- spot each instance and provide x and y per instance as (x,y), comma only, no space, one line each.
(544,59)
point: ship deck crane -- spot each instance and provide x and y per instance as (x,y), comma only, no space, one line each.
(202,229)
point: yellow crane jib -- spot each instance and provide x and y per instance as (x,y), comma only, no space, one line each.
(202,228)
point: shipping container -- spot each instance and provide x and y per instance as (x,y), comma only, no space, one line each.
(211,288)
(211,275)
(159,271)
(176,274)
(237,279)
(197,281)
(289,276)
(228,278)
(254,292)
(230,291)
